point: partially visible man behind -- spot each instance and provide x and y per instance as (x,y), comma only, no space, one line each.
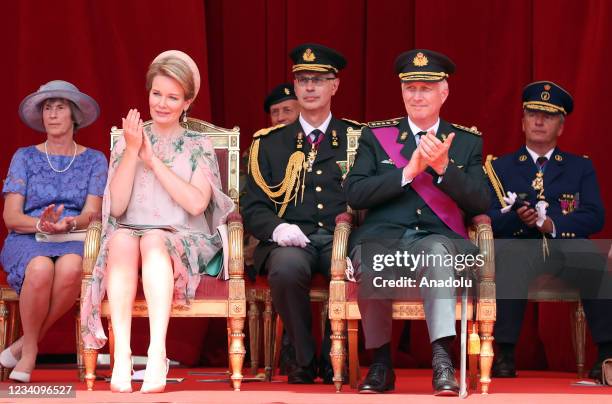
(282,105)
(417,176)
(545,204)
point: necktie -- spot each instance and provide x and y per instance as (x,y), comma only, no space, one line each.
(417,137)
(541,162)
(314,136)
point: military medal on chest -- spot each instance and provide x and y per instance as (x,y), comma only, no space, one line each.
(538,185)
(312,155)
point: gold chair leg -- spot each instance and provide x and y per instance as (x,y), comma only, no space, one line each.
(579,338)
(79,348)
(254,331)
(4,311)
(269,339)
(236,350)
(353,333)
(338,351)
(486,354)
(90,357)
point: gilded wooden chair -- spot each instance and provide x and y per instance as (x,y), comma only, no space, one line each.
(9,321)
(344,311)
(214,297)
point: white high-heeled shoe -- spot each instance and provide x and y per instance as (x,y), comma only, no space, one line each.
(122,386)
(7,360)
(21,377)
(156,386)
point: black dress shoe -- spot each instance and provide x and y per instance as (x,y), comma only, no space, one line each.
(302,374)
(504,367)
(444,382)
(380,378)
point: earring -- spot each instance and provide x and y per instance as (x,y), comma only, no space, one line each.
(185,116)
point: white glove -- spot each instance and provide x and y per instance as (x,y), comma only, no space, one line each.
(541,211)
(510,199)
(289,235)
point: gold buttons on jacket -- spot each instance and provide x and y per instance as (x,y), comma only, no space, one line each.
(416,227)
(318,189)
(320,224)
(320,206)
(418,211)
(319,172)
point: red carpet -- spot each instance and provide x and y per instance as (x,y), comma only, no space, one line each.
(413,386)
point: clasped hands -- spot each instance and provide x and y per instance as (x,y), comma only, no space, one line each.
(49,221)
(431,152)
(136,141)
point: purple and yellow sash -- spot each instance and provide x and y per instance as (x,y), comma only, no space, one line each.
(441,204)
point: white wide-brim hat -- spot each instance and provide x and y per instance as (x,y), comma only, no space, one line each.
(190,63)
(30,109)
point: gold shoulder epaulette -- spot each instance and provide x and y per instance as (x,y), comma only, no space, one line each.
(266,131)
(382,124)
(585,156)
(495,181)
(360,124)
(473,130)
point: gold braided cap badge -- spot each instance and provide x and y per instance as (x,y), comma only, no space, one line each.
(420,60)
(308,55)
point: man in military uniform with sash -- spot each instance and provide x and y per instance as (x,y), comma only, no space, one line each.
(545,204)
(293,195)
(417,176)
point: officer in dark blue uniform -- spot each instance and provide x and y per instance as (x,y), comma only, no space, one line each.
(293,196)
(546,204)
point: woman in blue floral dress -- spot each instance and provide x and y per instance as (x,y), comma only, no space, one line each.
(54,188)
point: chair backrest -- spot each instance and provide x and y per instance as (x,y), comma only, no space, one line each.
(227,148)
(352,139)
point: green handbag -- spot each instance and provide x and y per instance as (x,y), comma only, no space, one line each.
(215,264)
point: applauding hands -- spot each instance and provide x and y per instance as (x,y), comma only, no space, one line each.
(431,152)
(136,141)
(49,221)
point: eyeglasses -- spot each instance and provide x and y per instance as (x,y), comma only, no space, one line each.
(317,81)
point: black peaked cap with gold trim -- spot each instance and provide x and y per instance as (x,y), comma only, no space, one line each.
(280,93)
(423,65)
(548,97)
(312,57)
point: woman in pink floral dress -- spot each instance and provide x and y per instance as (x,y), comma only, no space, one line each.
(160,177)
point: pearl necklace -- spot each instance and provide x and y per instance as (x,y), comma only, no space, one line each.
(69,164)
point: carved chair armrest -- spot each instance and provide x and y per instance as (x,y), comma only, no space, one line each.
(92,245)
(344,222)
(235,236)
(483,236)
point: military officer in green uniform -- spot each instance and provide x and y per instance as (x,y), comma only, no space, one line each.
(293,195)
(420,177)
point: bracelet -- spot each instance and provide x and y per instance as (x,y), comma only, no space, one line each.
(38,226)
